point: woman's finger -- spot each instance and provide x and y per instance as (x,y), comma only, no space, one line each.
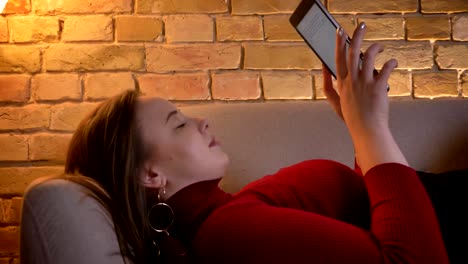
(367,71)
(355,49)
(340,54)
(384,75)
(331,94)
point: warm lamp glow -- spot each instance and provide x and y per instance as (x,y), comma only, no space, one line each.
(2,5)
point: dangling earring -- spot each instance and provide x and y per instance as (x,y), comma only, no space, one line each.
(161,216)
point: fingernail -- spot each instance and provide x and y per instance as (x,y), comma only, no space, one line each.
(362,25)
(340,31)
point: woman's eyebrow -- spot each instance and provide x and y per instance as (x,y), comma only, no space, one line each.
(171,114)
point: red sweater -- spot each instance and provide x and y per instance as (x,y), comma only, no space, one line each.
(313,212)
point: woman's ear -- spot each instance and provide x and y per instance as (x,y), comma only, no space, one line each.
(151,177)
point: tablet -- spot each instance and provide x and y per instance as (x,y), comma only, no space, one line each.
(318,28)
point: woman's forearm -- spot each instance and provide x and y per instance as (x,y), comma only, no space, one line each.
(376,146)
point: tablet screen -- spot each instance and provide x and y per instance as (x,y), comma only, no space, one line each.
(320,33)
(318,28)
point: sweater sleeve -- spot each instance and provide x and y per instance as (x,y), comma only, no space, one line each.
(250,229)
(324,187)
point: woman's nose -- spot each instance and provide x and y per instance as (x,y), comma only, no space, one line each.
(203,124)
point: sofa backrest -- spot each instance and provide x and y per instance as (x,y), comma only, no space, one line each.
(262,138)
(60,224)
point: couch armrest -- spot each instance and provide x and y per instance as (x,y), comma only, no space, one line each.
(60,223)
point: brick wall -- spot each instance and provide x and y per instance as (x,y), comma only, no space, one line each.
(58,59)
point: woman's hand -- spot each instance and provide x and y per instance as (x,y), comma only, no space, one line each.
(362,100)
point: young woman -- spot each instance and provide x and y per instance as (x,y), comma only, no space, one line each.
(157,171)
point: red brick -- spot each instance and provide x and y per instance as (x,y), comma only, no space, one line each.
(17,7)
(460,28)
(443,6)
(5,261)
(48,7)
(9,240)
(3,30)
(383,28)
(238,28)
(287,85)
(20,59)
(181,6)
(14,88)
(11,210)
(376,6)
(464,84)
(67,116)
(50,147)
(453,56)
(149,28)
(14,148)
(185,28)
(435,84)
(399,85)
(14,180)
(52,87)
(190,86)
(104,85)
(193,57)
(238,85)
(428,27)
(410,55)
(14,216)
(3,205)
(33,29)
(92,57)
(347,22)
(278,56)
(88,28)
(249,7)
(319,93)
(278,28)
(27,117)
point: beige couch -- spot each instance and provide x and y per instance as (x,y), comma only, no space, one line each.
(60,226)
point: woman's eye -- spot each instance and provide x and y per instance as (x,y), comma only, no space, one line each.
(181,125)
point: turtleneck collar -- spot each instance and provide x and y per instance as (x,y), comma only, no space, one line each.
(193,204)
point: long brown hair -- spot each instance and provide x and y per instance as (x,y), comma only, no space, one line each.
(108,150)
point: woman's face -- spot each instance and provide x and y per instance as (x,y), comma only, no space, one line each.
(182,149)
